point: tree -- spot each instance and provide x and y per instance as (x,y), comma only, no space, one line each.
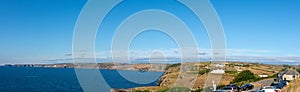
(244,76)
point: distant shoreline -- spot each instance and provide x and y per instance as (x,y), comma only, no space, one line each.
(109,66)
(260,62)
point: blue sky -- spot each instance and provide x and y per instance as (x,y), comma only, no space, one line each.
(38,31)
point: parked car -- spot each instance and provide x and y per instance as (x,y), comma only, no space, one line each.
(231,87)
(268,89)
(226,89)
(246,87)
(255,91)
(223,91)
(234,86)
(278,85)
(284,83)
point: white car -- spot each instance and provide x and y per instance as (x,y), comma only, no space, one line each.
(268,89)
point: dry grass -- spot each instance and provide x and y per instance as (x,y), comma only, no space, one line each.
(172,73)
(265,69)
(292,87)
(150,88)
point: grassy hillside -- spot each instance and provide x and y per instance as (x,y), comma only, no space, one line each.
(232,69)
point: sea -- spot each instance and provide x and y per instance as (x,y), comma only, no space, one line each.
(33,79)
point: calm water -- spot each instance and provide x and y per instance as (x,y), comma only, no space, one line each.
(22,79)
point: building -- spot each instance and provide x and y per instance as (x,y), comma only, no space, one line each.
(290,75)
(239,69)
(219,65)
(218,71)
(263,75)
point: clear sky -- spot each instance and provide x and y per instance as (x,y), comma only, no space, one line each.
(40,31)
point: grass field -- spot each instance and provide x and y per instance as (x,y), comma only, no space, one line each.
(231,68)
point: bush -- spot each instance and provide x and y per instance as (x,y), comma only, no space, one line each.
(247,65)
(165,90)
(231,72)
(284,65)
(298,70)
(274,76)
(220,86)
(283,69)
(201,72)
(245,76)
(198,90)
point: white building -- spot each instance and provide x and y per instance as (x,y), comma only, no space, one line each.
(263,75)
(218,71)
(220,65)
(290,75)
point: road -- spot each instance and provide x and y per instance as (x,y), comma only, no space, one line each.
(259,84)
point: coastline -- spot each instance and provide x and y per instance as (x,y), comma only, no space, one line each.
(169,72)
(108,66)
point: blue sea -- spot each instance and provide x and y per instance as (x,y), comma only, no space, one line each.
(30,79)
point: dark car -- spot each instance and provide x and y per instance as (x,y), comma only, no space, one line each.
(233,85)
(256,91)
(219,91)
(230,87)
(246,87)
(278,85)
(284,83)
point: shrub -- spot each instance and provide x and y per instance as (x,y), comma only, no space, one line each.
(165,90)
(231,72)
(247,65)
(298,70)
(220,86)
(201,72)
(244,76)
(198,90)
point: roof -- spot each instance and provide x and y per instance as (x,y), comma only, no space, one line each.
(292,72)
